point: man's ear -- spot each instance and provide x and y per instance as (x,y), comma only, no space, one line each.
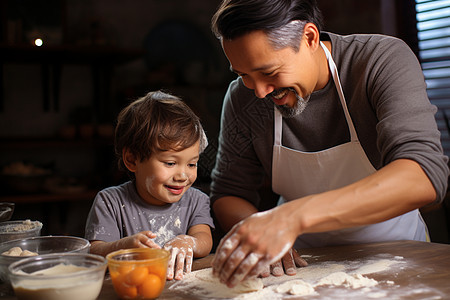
(129,160)
(311,35)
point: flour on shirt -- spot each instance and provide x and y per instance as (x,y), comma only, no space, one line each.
(101,230)
(163,226)
(177,222)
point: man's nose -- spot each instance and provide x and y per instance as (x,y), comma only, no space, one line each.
(260,88)
(262,91)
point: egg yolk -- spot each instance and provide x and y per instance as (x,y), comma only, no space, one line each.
(151,287)
(136,282)
(136,276)
(159,270)
(122,289)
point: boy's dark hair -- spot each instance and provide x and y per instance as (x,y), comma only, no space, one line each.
(157,122)
(235,18)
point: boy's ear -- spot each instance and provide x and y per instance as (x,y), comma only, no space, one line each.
(129,160)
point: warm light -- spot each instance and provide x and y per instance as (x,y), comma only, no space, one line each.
(38,42)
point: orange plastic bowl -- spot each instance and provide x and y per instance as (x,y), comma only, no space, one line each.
(138,273)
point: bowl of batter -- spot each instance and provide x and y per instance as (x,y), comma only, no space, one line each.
(68,276)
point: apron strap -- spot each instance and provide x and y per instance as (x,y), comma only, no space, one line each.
(334,73)
(278,124)
(278,118)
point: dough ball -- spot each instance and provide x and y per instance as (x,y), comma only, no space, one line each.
(28,253)
(248,286)
(14,251)
(296,287)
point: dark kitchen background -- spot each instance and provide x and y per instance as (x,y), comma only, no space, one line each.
(59,101)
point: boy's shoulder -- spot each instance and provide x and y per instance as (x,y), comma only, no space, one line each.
(194,194)
(126,188)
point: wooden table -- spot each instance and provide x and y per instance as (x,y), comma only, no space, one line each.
(425,273)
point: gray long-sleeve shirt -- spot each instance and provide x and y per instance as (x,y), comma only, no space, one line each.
(386,96)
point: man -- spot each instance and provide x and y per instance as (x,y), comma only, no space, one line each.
(340,124)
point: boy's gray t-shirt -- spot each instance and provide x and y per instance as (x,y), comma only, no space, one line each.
(119,211)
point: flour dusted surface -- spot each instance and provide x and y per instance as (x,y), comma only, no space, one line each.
(296,287)
(345,278)
(353,281)
(210,285)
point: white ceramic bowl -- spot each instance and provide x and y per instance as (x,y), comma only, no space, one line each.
(66,276)
(40,245)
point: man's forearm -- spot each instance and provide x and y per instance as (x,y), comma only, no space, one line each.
(394,190)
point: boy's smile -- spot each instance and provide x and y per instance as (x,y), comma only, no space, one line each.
(176,190)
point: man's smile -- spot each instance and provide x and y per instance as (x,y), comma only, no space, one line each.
(279,97)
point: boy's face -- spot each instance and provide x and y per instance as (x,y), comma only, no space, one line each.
(166,176)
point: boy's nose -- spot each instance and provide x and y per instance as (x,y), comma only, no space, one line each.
(181,176)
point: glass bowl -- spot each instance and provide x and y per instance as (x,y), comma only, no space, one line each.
(138,273)
(6,211)
(40,245)
(60,276)
(13,230)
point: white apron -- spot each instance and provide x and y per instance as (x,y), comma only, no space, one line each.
(296,174)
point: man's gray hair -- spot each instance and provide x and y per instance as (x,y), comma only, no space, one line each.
(288,35)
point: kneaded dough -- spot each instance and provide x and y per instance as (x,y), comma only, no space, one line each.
(296,287)
(247,286)
(14,251)
(353,281)
(28,253)
(17,251)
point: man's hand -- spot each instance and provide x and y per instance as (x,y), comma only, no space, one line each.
(287,265)
(253,244)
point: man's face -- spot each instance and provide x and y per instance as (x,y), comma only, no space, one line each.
(287,77)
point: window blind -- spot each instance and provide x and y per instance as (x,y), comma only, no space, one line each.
(433,26)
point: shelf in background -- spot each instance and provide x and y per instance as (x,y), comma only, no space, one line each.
(52,58)
(49,142)
(68,54)
(88,195)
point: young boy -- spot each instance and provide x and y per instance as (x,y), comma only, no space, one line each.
(158,139)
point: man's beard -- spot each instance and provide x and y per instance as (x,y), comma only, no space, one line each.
(298,108)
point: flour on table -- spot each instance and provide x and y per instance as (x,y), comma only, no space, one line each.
(349,276)
(353,281)
(377,295)
(247,286)
(207,284)
(296,287)
(377,266)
